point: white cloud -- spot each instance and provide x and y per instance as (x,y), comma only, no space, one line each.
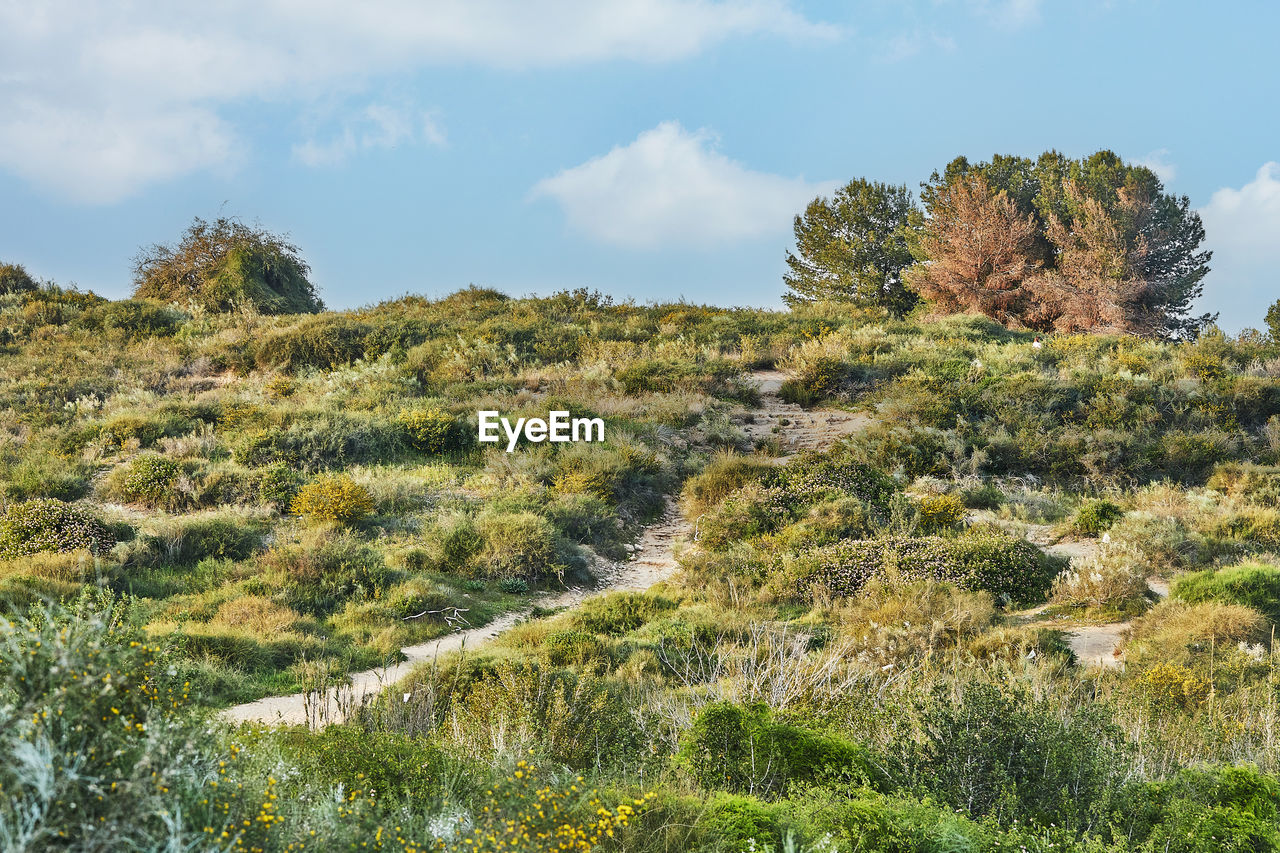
(1159,162)
(671,187)
(123,71)
(377,126)
(1241,226)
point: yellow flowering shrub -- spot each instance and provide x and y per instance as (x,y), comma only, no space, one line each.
(334,498)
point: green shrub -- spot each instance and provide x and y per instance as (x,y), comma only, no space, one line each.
(743,750)
(388,766)
(320,440)
(14,279)
(519,544)
(47,524)
(133,319)
(333,498)
(1095,516)
(819,378)
(278,486)
(1006,567)
(1009,756)
(985,496)
(432,431)
(722,476)
(941,512)
(1203,809)
(453,542)
(733,822)
(577,649)
(186,540)
(224,266)
(620,612)
(322,572)
(514,586)
(41,475)
(814,475)
(150,479)
(1250,584)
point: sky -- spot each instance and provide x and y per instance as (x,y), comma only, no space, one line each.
(649,149)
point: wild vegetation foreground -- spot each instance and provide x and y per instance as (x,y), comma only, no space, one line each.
(865,646)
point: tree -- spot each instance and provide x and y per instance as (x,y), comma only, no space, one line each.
(226,265)
(853,247)
(14,279)
(980,250)
(1110,249)
(1273,320)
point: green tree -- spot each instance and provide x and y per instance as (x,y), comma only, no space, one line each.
(1273,320)
(853,247)
(225,265)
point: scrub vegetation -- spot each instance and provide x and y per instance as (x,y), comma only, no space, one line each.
(203,505)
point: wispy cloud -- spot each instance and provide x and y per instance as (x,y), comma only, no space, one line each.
(103,98)
(672,187)
(377,126)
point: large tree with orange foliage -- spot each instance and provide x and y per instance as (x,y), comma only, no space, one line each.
(1061,245)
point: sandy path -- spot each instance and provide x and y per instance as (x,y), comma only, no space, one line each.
(1093,645)
(798,429)
(653,560)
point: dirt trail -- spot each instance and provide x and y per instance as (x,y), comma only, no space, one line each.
(1094,645)
(653,560)
(798,429)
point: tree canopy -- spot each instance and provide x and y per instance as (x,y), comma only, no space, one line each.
(853,247)
(225,265)
(1063,245)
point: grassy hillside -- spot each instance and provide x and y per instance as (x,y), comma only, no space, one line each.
(876,645)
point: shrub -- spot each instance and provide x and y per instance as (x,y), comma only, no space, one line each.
(226,265)
(453,541)
(14,279)
(818,378)
(1093,517)
(150,479)
(941,512)
(325,570)
(1203,808)
(1006,567)
(986,752)
(985,496)
(432,431)
(1186,634)
(815,474)
(743,750)
(735,822)
(133,319)
(186,540)
(334,498)
(278,486)
(1250,584)
(40,475)
(722,476)
(47,524)
(519,544)
(1258,484)
(384,765)
(620,612)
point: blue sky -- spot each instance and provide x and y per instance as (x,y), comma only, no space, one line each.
(653,149)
